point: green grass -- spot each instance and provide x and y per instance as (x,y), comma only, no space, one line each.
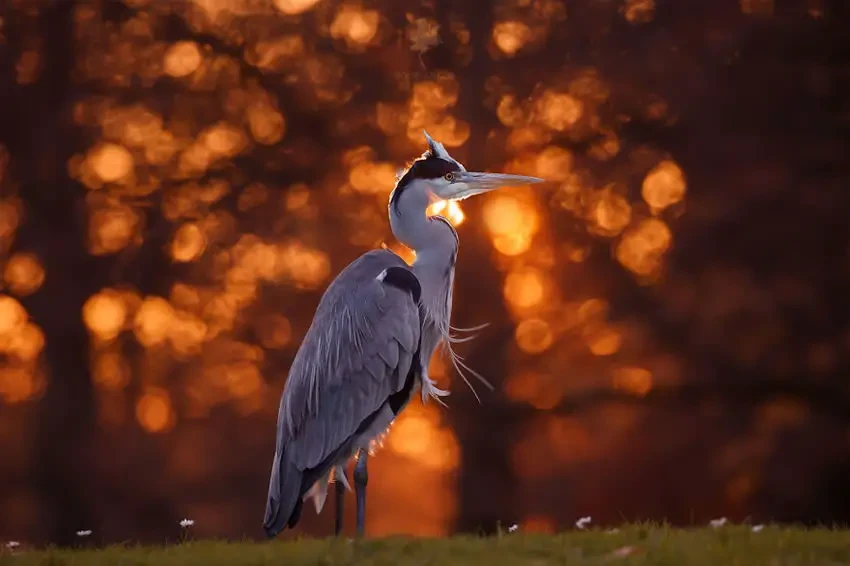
(655,545)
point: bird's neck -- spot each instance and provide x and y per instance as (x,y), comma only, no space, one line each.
(431,239)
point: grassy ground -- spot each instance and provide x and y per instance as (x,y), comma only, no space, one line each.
(634,545)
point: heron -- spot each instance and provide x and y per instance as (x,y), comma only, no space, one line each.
(368,347)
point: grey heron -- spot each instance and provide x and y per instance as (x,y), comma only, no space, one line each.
(369,344)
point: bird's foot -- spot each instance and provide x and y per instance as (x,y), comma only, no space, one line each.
(430,389)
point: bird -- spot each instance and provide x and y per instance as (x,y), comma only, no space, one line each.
(369,344)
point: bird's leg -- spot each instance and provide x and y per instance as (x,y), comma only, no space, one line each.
(361,478)
(339,489)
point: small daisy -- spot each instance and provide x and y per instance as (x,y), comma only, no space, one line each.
(186,523)
(583,522)
(716,523)
(513,528)
(757,528)
(84,533)
(12,544)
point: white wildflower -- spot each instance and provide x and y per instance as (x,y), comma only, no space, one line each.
(12,544)
(84,533)
(513,528)
(757,528)
(583,522)
(715,523)
(187,523)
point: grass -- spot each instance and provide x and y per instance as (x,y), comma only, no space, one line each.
(639,544)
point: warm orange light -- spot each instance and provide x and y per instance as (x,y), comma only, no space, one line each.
(634,380)
(274,53)
(511,223)
(223,139)
(187,334)
(153,321)
(243,379)
(524,288)
(354,25)
(23,274)
(189,243)
(104,314)
(110,371)
(639,11)
(510,36)
(532,388)
(554,164)
(450,210)
(642,248)
(308,268)
(267,125)
(609,212)
(111,162)
(10,213)
(183,58)
(292,7)
(534,336)
(275,331)
(154,411)
(111,229)
(559,111)
(664,185)
(512,244)
(17,384)
(26,343)
(604,342)
(504,214)
(417,435)
(374,178)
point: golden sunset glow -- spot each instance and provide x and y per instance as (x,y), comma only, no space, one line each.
(293,7)
(104,314)
(664,185)
(183,58)
(510,36)
(642,248)
(111,162)
(450,210)
(23,274)
(154,411)
(182,183)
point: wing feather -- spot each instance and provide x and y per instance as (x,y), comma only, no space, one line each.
(356,353)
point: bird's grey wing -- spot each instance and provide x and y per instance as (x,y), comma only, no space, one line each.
(356,354)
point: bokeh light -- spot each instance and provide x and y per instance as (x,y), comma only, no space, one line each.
(233,156)
(511,223)
(642,248)
(182,58)
(23,274)
(154,411)
(293,7)
(104,314)
(664,186)
(111,162)
(188,243)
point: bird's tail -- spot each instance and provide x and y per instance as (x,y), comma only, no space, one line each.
(283,505)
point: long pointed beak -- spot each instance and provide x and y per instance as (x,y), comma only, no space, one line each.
(468,183)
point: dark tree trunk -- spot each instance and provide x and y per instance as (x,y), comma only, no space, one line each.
(41,138)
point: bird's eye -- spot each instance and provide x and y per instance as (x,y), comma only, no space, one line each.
(450,177)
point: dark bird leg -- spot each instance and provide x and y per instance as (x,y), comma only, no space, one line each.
(339,487)
(361,478)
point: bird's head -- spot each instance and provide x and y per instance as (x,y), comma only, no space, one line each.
(436,175)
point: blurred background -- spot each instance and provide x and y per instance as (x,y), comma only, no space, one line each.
(669,317)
